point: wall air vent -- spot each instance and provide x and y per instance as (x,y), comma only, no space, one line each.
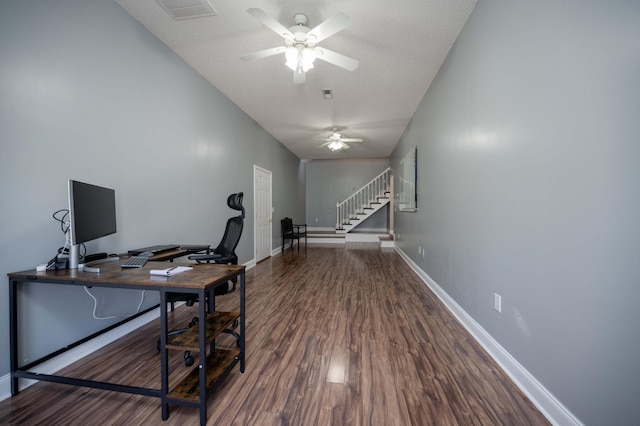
(187,9)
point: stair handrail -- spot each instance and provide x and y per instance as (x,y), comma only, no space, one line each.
(357,202)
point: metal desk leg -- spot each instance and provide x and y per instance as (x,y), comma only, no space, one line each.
(202,346)
(164,361)
(242,315)
(13,334)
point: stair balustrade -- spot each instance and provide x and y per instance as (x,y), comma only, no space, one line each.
(364,201)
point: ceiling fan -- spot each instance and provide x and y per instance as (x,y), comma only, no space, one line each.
(336,142)
(300,43)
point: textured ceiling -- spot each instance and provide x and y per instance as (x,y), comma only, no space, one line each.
(400,46)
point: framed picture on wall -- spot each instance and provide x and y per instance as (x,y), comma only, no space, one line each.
(408,201)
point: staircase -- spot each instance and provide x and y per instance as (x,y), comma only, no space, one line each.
(363,203)
(355,210)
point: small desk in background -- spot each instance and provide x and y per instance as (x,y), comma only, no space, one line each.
(202,280)
(175,253)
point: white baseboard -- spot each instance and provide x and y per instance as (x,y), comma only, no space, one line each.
(548,405)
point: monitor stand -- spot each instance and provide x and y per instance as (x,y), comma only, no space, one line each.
(74,256)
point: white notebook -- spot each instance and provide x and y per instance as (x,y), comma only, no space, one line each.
(170,271)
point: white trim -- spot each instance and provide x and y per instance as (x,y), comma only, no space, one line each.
(255,209)
(544,400)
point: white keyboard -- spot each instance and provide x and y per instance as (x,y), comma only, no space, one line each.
(135,262)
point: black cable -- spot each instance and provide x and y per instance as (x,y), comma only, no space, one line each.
(64,226)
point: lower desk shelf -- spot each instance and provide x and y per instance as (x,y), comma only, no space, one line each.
(219,362)
(216,323)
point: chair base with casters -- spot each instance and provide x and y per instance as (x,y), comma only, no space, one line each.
(292,231)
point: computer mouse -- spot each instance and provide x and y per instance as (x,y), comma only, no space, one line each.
(146,254)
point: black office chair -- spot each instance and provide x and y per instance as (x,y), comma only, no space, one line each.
(225,254)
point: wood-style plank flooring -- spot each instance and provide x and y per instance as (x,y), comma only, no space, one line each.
(336,335)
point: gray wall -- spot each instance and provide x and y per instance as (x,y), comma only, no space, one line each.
(87,93)
(332,181)
(529,149)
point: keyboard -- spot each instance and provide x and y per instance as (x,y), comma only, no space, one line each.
(135,262)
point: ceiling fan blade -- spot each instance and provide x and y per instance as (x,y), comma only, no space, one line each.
(263,53)
(334,58)
(299,76)
(352,140)
(269,22)
(329,27)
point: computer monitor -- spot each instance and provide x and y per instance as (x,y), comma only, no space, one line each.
(92,214)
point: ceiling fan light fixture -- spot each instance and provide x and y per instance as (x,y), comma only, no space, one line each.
(335,145)
(299,57)
(291,56)
(308,56)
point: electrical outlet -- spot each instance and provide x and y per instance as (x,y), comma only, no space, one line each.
(423,252)
(419,250)
(497,302)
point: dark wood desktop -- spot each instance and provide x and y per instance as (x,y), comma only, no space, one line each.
(202,280)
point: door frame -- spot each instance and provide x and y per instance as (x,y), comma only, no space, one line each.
(257,168)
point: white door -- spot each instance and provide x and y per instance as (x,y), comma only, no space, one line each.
(262,203)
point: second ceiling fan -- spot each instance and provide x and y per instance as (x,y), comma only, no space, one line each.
(300,43)
(336,142)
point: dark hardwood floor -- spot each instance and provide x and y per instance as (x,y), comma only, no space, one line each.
(335,336)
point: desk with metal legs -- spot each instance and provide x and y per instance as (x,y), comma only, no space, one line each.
(213,364)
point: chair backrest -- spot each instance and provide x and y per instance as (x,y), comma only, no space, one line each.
(233,230)
(287,225)
(231,237)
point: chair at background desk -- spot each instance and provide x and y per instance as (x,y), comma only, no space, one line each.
(292,231)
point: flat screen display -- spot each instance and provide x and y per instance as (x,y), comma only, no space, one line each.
(92,211)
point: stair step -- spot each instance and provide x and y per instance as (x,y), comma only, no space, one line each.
(386,240)
(323,235)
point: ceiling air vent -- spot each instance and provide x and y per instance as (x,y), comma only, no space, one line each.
(187,9)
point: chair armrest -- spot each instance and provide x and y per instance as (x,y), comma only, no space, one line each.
(300,225)
(196,248)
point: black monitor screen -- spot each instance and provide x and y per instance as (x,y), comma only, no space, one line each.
(92,211)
